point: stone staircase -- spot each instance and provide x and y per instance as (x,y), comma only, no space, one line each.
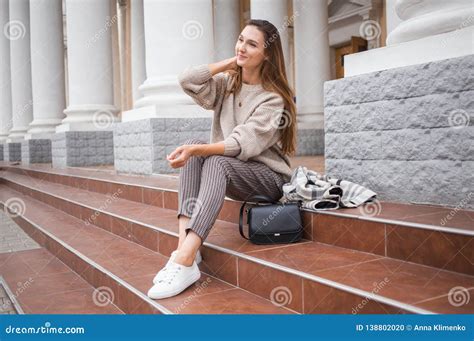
(117,231)
(45,285)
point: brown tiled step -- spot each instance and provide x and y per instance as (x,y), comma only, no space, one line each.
(143,223)
(305,270)
(156,190)
(124,270)
(379,228)
(42,284)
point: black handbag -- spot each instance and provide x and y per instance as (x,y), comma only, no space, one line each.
(273,223)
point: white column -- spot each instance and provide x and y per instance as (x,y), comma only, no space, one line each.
(226,28)
(47,67)
(90,69)
(177,34)
(391,15)
(311,60)
(276,12)
(112,23)
(424,18)
(20,61)
(5,75)
(137,47)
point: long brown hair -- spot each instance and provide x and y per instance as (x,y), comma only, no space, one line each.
(273,76)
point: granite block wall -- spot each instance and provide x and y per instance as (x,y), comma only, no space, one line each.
(140,147)
(406,133)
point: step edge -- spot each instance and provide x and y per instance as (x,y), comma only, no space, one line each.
(318,279)
(213,246)
(454,230)
(97,266)
(330,283)
(93,178)
(11,296)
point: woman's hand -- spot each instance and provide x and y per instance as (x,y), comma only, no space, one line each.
(232,63)
(229,64)
(180,155)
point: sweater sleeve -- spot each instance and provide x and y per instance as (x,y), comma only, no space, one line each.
(205,89)
(258,133)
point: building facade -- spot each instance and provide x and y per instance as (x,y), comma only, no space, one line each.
(110,61)
(94,82)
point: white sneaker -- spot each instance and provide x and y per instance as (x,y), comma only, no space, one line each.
(176,279)
(162,272)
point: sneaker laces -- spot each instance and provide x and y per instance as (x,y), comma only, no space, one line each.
(162,272)
(170,274)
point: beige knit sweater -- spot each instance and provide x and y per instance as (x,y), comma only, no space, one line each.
(247,122)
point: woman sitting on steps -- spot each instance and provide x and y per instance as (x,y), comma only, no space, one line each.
(253,133)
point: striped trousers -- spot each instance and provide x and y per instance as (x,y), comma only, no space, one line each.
(204,182)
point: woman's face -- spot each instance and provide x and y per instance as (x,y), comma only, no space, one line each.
(250,49)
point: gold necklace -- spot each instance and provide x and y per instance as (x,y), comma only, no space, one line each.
(239,97)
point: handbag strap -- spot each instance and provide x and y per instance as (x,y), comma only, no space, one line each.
(258,198)
(241,218)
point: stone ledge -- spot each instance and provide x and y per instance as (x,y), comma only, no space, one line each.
(36,151)
(403,144)
(405,133)
(442,182)
(430,111)
(140,147)
(12,151)
(82,149)
(446,76)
